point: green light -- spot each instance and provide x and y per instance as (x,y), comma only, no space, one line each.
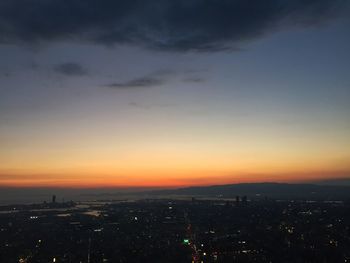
(186,241)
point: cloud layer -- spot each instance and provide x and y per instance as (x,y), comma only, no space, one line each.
(143,82)
(70,69)
(181,25)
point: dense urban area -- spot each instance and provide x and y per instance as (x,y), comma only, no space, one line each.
(169,230)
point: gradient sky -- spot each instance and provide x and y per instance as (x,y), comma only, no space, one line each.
(173,93)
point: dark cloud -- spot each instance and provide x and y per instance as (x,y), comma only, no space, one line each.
(153,79)
(144,82)
(182,25)
(71,69)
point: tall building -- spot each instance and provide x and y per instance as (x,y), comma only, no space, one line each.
(244,200)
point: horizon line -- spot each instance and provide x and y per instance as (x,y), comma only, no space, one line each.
(160,187)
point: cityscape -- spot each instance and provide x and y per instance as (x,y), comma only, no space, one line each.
(175,131)
(182,229)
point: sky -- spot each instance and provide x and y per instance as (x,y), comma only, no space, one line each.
(164,93)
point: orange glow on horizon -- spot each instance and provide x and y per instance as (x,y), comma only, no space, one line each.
(165,181)
(184,157)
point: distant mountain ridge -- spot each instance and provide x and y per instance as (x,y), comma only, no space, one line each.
(258,190)
(336,181)
(316,191)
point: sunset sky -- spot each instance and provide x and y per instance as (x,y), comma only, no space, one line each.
(173,93)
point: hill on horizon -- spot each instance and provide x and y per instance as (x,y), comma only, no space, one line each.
(273,190)
(267,189)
